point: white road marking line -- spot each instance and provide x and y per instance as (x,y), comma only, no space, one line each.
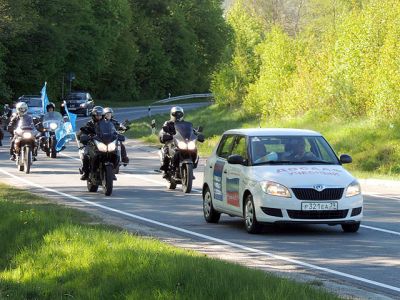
(381,196)
(381,230)
(207,237)
(135,176)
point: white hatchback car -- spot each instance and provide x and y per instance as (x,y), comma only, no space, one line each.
(280,176)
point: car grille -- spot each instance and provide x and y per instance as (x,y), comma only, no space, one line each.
(317,215)
(312,194)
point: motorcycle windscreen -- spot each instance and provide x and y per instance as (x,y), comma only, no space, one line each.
(184,129)
(52,116)
(26,122)
(105,132)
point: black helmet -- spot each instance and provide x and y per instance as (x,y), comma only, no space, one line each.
(97,111)
(51,104)
(177,113)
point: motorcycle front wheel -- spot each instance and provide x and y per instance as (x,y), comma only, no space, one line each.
(187,178)
(107,180)
(27,155)
(53,143)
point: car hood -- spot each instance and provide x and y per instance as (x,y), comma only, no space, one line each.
(303,175)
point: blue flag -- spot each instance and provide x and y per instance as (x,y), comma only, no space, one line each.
(72,117)
(67,132)
(45,100)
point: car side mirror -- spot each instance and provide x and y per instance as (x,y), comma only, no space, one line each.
(345,159)
(235,159)
(200,138)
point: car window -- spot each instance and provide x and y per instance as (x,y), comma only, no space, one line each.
(240,147)
(225,147)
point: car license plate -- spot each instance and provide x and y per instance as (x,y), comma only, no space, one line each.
(319,205)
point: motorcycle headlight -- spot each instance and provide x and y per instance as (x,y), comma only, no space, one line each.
(353,189)
(275,189)
(27,135)
(101,146)
(191,145)
(53,126)
(111,147)
(182,145)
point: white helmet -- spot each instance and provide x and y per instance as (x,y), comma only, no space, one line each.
(176,113)
(21,108)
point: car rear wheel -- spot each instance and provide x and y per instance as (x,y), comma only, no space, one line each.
(352,227)
(210,214)
(250,219)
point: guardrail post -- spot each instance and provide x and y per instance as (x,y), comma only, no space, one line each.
(153,126)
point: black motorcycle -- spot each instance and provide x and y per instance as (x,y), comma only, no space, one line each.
(51,124)
(182,155)
(104,157)
(24,143)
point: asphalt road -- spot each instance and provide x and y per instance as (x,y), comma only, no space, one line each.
(368,260)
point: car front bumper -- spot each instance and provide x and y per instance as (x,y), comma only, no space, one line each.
(272,209)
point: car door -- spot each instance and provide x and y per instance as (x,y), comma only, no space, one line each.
(235,174)
(218,167)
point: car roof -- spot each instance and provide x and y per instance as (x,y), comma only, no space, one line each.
(273,132)
(78,92)
(30,96)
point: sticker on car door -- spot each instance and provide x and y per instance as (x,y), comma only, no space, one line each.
(217,180)
(232,191)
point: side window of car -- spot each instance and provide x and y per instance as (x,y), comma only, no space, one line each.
(240,147)
(225,147)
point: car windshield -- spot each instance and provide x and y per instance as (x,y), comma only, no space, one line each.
(76,97)
(33,102)
(291,150)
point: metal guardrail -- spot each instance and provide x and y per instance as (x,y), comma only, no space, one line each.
(183,97)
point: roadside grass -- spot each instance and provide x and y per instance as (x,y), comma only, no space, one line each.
(374,146)
(53,252)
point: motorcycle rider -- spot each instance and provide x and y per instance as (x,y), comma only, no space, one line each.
(21,110)
(5,117)
(50,107)
(108,115)
(89,129)
(167,132)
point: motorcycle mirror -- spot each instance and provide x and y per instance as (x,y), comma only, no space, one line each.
(84,138)
(200,138)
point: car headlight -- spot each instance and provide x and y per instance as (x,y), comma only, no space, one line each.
(275,189)
(53,126)
(111,147)
(27,135)
(101,146)
(353,189)
(191,145)
(182,145)
(82,105)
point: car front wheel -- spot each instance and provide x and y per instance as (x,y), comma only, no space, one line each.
(210,214)
(352,227)
(250,219)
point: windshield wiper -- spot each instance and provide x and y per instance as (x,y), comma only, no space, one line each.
(274,162)
(286,162)
(312,161)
